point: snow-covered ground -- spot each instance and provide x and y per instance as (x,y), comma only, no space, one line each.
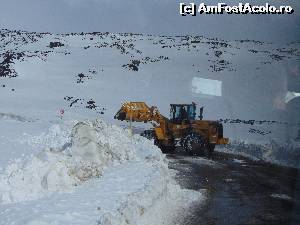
(285,154)
(89,74)
(96,173)
(89,173)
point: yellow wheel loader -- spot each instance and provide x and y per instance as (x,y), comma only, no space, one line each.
(182,129)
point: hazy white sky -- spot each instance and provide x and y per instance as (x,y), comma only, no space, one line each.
(146,16)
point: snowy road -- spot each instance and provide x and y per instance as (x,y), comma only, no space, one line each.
(240,191)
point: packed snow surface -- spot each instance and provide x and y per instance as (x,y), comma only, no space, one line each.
(91,173)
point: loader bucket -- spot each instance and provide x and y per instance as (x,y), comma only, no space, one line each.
(120,115)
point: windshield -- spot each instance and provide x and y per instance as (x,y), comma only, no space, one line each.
(179,112)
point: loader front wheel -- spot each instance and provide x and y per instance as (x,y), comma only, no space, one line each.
(164,148)
(210,149)
(194,144)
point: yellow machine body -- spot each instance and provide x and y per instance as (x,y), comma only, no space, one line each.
(167,131)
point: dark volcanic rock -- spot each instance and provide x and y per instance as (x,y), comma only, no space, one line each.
(5,65)
(261,132)
(218,53)
(55,44)
(79,102)
(80,76)
(134,65)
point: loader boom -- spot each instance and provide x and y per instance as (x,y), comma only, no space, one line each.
(139,112)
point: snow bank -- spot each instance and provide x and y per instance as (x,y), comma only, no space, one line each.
(94,146)
(286,154)
(99,166)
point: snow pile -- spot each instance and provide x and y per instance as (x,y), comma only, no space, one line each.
(130,193)
(94,146)
(286,154)
(57,137)
(158,202)
(101,172)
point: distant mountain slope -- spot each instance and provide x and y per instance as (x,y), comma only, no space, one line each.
(90,74)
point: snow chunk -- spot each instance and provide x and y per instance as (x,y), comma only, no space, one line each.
(281,196)
(240,161)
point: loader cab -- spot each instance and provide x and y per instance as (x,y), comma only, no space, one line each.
(182,112)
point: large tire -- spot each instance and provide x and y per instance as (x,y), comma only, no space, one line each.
(210,150)
(194,144)
(164,148)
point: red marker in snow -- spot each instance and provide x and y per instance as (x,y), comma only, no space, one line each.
(61,113)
